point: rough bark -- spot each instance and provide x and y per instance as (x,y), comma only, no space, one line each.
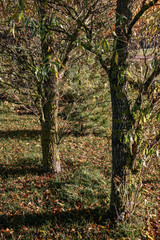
(121,116)
(49,116)
(121,124)
(49,138)
(122,121)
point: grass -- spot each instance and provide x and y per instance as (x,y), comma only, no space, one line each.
(72,205)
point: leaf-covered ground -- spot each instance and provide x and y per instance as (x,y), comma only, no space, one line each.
(74,204)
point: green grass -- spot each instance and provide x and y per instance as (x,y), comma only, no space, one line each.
(72,205)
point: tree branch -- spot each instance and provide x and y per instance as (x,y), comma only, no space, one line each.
(146,86)
(144,8)
(104,63)
(150,79)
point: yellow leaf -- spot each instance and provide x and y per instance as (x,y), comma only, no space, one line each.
(116,58)
(145,190)
(61,64)
(144,151)
(100,218)
(80,236)
(144,119)
(140,121)
(149,237)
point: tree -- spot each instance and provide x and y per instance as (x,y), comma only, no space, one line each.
(53,74)
(43,68)
(126,110)
(123,119)
(52,28)
(49,118)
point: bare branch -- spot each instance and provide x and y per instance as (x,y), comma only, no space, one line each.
(144,8)
(146,86)
(151,78)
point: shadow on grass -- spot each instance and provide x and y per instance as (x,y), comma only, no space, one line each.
(4,111)
(25,166)
(23,134)
(21,167)
(34,134)
(98,215)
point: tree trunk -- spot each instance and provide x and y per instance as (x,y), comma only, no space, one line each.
(49,91)
(49,138)
(121,124)
(49,125)
(121,116)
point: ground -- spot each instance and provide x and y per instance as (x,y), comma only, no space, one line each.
(74,204)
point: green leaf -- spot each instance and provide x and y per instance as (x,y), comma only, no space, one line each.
(12,30)
(128,73)
(125,139)
(115,44)
(44,72)
(135,138)
(105,46)
(78,42)
(144,119)
(116,58)
(46,58)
